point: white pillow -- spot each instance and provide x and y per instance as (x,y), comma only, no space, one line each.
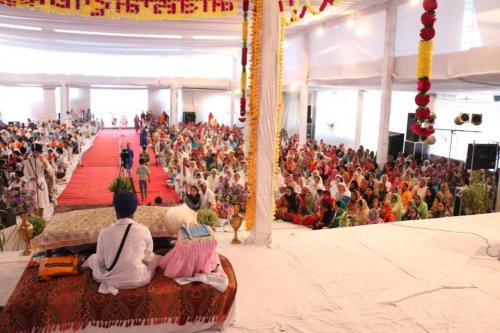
(176,216)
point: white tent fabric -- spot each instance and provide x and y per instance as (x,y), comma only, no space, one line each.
(351,53)
(204,102)
(290,117)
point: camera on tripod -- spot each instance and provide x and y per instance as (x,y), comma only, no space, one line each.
(124,158)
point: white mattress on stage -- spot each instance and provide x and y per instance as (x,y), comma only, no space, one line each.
(379,278)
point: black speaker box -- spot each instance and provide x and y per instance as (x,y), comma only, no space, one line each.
(396,143)
(189,117)
(485,156)
(309,114)
(419,150)
(410,136)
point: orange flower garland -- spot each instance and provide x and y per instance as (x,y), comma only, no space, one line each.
(280,105)
(253,114)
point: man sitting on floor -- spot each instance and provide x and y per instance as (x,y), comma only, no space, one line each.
(124,258)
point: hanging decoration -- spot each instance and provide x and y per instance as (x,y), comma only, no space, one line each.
(298,11)
(424,120)
(253,114)
(244,61)
(143,10)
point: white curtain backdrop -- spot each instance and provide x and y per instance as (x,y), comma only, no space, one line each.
(293,59)
(291,112)
(337,108)
(21,103)
(262,231)
(106,103)
(204,102)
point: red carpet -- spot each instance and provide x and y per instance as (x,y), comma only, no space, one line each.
(89,184)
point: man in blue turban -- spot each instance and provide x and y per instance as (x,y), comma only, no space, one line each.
(124,258)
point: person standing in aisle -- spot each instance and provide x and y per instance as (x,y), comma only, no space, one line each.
(144,178)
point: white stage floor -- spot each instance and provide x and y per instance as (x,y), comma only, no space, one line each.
(380,278)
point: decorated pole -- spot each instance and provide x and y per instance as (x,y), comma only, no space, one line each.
(262,120)
(424,120)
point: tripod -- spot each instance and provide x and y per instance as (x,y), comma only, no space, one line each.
(125,173)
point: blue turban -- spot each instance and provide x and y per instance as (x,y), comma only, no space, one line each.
(125,203)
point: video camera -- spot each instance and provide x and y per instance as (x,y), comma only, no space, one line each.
(124,158)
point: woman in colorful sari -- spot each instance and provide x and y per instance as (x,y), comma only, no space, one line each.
(362,213)
(307,209)
(288,205)
(396,206)
(341,208)
(386,212)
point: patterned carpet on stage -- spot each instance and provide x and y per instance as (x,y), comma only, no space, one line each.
(73,303)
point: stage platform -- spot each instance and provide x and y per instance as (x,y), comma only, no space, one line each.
(382,278)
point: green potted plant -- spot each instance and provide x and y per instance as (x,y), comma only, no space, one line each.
(477,197)
(208,217)
(38,224)
(346,219)
(120,184)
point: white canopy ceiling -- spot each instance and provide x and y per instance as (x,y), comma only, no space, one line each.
(35,29)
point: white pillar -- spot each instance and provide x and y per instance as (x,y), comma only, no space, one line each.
(387,71)
(49,105)
(304,91)
(266,132)
(65,117)
(359,119)
(174,114)
(154,103)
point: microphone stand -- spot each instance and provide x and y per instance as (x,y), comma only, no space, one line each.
(452,132)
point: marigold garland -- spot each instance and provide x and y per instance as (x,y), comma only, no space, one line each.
(280,106)
(140,10)
(253,114)
(423,126)
(298,12)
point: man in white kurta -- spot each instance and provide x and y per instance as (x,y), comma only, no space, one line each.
(34,171)
(136,264)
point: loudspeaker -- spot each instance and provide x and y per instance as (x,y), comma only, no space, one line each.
(485,156)
(396,143)
(189,117)
(309,114)
(476,119)
(410,136)
(496,98)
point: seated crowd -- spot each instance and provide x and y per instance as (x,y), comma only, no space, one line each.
(36,155)
(325,185)
(319,185)
(201,160)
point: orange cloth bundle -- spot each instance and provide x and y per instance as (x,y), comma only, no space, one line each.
(58,266)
